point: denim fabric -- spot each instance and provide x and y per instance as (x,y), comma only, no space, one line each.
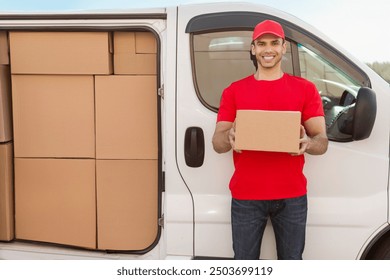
(288,218)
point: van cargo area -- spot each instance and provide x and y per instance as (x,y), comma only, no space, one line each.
(79,145)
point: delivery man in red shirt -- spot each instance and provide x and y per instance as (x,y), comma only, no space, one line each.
(270,185)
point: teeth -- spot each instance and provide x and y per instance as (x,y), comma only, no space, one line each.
(268,57)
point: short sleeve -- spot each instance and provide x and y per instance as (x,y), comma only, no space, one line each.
(227,107)
(313,103)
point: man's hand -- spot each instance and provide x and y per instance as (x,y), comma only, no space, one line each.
(224,137)
(303,142)
(313,139)
(232,137)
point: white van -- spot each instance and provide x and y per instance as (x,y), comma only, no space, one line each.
(106,127)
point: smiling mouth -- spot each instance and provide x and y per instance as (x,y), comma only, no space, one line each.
(268,58)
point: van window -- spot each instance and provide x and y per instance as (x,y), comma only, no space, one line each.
(220,58)
(338,92)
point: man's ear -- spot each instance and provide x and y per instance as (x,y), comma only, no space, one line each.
(284,47)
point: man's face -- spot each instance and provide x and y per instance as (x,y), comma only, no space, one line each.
(269,50)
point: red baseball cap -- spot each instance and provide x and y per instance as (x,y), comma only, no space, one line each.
(268,27)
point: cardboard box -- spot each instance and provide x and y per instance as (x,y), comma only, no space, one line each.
(139,64)
(61,52)
(55,201)
(54,116)
(5,104)
(6,193)
(126,58)
(4,48)
(126,117)
(274,131)
(127,204)
(135,42)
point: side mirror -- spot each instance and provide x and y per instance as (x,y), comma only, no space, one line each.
(364,114)
(354,118)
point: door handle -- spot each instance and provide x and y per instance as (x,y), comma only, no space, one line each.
(194,146)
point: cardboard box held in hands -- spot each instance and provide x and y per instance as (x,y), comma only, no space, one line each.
(273,131)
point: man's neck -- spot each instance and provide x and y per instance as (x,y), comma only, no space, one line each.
(268,74)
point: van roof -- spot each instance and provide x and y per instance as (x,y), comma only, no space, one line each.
(77,6)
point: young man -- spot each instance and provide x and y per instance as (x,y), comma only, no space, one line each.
(270,184)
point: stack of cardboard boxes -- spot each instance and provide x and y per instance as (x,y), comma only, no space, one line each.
(6,146)
(127,145)
(85,136)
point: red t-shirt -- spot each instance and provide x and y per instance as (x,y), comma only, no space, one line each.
(269,175)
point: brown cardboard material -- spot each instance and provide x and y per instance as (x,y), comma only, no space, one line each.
(61,52)
(6,193)
(4,48)
(124,42)
(145,42)
(275,131)
(126,117)
(127,200)
(135,64)
(53,116)
(5,104)
(55,201)
(126,58)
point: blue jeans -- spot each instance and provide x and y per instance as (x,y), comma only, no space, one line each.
(288,218)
